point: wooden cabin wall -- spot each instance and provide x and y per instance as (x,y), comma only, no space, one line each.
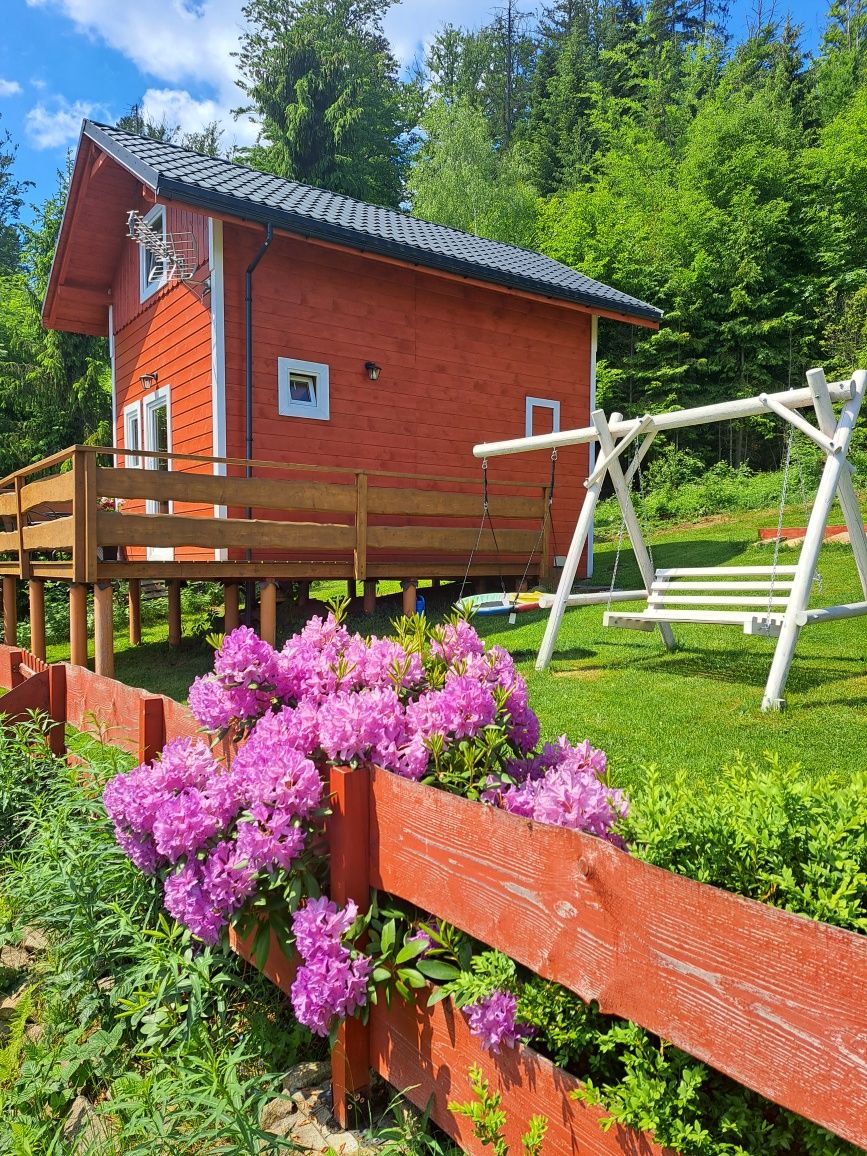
(458,362)
(170,334)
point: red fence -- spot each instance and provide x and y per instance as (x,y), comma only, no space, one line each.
(775,1000)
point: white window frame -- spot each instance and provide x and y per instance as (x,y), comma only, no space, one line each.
(156,400)
(148,288)
(133,461)
(541,403)
(319,410)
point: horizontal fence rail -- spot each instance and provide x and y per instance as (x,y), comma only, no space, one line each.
(772,999)
(364,523)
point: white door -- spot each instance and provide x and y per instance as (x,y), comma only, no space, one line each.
(158,436)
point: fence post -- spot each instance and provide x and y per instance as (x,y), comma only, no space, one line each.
(349,848)
(57,708)
(151,727)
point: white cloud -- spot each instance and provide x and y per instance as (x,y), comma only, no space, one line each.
(9,87)
(178,109)
(187,43)
(58,125)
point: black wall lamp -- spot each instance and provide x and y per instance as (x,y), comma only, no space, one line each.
(149,379)
(373,370)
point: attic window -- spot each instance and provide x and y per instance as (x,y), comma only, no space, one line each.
(302,389)
(152,269)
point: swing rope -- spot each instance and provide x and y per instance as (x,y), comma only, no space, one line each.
(486,517)
(546,518)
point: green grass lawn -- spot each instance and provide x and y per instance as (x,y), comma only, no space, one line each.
(692,709)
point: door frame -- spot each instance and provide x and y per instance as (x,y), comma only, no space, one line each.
(159,399)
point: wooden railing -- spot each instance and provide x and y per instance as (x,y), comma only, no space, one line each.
(301,520)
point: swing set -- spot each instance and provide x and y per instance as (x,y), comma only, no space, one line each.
(772,601)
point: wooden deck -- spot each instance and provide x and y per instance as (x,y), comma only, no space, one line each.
(91,516)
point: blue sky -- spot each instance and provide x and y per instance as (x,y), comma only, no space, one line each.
(62,60)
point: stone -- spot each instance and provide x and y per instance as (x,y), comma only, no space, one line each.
(106,983)
(32,939)
(84,1130)
(309,1136)
(14,958)
(344,1143)
(11,1002)
(34,1033)
(308,1075)
(278,1116)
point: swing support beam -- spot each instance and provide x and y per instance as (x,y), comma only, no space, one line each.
(614,435)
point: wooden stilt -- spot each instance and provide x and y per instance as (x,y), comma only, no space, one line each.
(268,611)
(303,593)
(103,629)
(78,624)
(436,583)
(174,591)
(351,589)
(369,595)
(134,602)
(231,616)
(37,617)
(10,611)
(410,595)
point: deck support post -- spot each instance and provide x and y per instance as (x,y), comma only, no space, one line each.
(268,611)
(103,629)
(303,593)
(351,589)
(36,591)
(231,614)
(369,595)
(134,604)
(10,610)
(173,587)
(410,595)
(78,624)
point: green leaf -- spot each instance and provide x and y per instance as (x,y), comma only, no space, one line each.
(389,933)
(437,969)
(411,950)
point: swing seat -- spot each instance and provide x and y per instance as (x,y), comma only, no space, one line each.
(744,596)
(485,604)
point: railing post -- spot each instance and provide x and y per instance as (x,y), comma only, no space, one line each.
(57,708)
(360,527)
(349,849)
(23,556)
(90,538)
(79,518)
(151,727)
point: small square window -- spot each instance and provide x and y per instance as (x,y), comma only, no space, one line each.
(302,389)
(541,416)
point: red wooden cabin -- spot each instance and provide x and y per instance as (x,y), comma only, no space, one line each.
(364,338)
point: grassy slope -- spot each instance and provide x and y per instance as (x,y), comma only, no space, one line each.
(692,709)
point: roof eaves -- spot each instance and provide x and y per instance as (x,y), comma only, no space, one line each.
(124,157)
(305,226)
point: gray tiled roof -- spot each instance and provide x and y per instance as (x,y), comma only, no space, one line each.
(211,182)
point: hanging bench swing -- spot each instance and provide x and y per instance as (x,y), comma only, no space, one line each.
(765,600)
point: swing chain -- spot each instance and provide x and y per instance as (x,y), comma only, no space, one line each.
(786,469)
(546,517)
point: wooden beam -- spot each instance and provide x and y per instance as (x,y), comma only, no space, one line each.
(219,533)
(36,591)
(134,604)
(10,611)
(103,629)
(57,488)
(173,587)
(78,624)
(361,506)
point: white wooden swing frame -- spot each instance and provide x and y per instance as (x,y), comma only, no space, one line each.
(735,596)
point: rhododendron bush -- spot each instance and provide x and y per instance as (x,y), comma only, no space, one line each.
(240,835)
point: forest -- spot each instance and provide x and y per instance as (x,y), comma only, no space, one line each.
(724,180)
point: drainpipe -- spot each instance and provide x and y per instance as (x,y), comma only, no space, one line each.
(248,335)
